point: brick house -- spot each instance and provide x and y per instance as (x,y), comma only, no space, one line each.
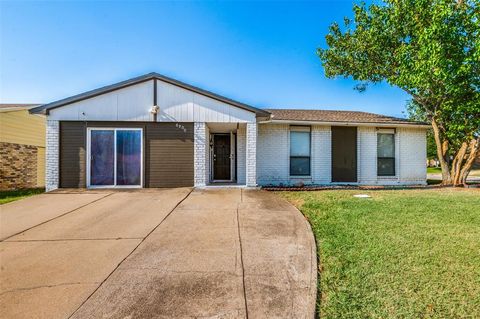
(22,147)
(154,131)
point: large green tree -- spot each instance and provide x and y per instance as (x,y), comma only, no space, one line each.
(431,50)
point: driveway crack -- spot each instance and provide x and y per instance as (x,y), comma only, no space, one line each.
(241,263)
(46,221)
(47,286)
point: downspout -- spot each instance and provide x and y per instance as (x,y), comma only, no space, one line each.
(155,107)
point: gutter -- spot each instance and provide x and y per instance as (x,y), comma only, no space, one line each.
(332,123)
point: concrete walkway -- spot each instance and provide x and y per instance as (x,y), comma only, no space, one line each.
(223,253)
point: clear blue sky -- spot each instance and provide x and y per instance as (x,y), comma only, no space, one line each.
(259,53)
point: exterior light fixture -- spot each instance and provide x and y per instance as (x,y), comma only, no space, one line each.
(154,109)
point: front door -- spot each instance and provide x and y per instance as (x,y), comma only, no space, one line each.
(221,157)
(115,157)
(344,154)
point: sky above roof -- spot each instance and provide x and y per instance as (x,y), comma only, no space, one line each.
(258,53)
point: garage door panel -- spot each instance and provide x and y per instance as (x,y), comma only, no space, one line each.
(170,155)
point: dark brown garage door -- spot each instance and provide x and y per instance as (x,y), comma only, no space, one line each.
(344,154)
(168,152)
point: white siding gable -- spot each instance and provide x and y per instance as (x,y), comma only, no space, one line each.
(178,104)
(133,103)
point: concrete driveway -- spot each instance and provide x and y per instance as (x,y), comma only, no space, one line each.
(152,253)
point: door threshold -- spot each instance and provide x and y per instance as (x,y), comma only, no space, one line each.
(225,185)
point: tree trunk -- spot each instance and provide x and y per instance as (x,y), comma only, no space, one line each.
(458,163)
(442,147)
(474,149)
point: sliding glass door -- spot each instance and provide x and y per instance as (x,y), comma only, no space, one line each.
(115,157)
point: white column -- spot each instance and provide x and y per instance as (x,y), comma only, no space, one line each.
(199,154)
(251,161)
(52,154)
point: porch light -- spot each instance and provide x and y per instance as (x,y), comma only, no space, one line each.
(154,109)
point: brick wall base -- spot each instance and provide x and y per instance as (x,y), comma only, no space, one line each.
(18,166)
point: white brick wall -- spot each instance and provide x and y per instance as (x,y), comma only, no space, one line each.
(273,158)
(242,155)
(367,155)
(251,154)
(207,154)
(321,154)
(412,155)
(273,155)
(52,155)
(200,149)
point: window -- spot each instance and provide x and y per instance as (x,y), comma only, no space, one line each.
(386,153)
(115,157)
(300,151)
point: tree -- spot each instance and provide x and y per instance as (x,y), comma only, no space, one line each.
(412,112)
(431,50)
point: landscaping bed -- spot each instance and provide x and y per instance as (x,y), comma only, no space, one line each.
(431,184)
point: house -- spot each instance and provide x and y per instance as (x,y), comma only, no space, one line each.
(476,164)
(154,131)
(22,147)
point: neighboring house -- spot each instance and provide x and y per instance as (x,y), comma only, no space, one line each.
(153,131)
(476,164)
(22,147)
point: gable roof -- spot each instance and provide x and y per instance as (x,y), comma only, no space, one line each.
(327,116)
(8,107)
(44,109)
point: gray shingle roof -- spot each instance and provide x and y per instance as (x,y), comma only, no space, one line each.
(336,116)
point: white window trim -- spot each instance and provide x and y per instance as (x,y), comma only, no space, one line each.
(114,129)
(298,128)
(397,155)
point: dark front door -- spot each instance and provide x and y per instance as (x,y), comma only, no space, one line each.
(221,157)
(344,154)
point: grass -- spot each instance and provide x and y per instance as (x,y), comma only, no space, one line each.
(10,196)
(438,170)
(475,172)
(434,170)
(398,254)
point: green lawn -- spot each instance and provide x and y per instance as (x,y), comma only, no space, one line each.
(438,170)
(398,254)
(475,172)
(434,170)
(10,196)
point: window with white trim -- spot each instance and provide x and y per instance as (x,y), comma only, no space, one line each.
(299,151)
(386,153)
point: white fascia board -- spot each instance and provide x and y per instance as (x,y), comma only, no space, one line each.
(345,124)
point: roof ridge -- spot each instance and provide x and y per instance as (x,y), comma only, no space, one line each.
(44,108)
(338,116)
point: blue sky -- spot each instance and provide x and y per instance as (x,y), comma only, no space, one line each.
(259,53)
